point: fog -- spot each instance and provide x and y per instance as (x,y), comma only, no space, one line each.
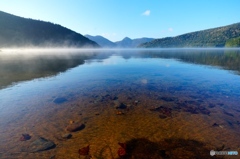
(66,52)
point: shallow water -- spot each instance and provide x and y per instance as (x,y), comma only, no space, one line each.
(161,103)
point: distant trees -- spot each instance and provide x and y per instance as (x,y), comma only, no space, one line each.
(17,31)
(216,37)
(235,42)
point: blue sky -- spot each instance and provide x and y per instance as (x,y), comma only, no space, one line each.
(116,19)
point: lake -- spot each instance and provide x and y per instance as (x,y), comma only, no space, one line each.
(166,103)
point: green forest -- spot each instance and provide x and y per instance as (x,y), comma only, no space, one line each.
(216,37)
(235,42)
(21,32)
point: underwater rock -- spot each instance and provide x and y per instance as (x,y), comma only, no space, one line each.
(136,102)
(129,98)
(115,98)
(41,144)
(203,110)
(215,125)
(71,121)
(193,102)
(121,106)
(227,113)
(98,98)
(230,123)
(84,151)
(59,100)
(119,113)
(211,105)
(52,157)
(75,127)
(156,108)
(220,104)
(67,136)
(161,116)
(143,149)
(170,148)
(122,150)
(167,99)
(25,137)
(103,98)
(107,97)
(195,109)
(164,111)
(191,109)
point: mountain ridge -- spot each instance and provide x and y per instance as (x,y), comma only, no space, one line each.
(132,43)
(214,37)
(102,41)
(17,31)
(124,43)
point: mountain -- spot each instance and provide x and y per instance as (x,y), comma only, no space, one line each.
(126,42)
(216,37)
(132,43)
(22,32)
(103,42)
(235,42)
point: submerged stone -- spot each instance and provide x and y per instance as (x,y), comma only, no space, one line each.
(67,136)
(211,105)
(227,113)
(84,151)
(114,98)
(119,113)
(59,100)
(41,144)
(161,116)
(121,106)
(215,125)
(156,108)
(75,127)
(122,150)
(167,99)
(25,137)
(164,111)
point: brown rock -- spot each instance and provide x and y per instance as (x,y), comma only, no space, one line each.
(84,151)
(75,127)
(25,137)
(66,136)
(119,113)
(71,122)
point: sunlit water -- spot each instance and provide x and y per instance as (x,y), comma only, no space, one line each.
(178,103)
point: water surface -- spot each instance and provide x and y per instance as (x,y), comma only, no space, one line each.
(175,102)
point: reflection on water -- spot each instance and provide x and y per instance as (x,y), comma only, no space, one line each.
(120,104)
(15,68)
(227,59)
(20,68)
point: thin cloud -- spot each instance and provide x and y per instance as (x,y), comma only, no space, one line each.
(170,29)
(167,30)
(146,13)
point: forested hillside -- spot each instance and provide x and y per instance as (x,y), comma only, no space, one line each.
(216,37)
(21,32)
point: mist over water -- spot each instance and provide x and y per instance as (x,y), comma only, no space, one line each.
(154,97)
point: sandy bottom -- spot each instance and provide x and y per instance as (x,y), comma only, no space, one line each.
(182,128)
